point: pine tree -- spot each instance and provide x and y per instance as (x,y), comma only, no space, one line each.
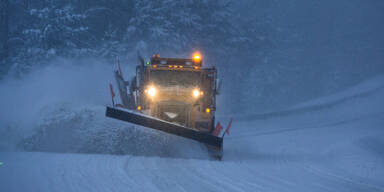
(53,31)
(4,36)
(181,25)
(4,12)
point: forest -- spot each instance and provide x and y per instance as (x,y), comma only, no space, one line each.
(268,47)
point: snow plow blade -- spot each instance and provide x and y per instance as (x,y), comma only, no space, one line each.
(153,123)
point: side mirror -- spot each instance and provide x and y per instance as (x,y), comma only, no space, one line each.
(218,86)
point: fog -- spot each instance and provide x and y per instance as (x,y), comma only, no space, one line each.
(316,48)
(44,94)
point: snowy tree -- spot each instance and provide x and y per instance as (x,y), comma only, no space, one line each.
(57,28)
(4,32)
(3,29)
(181,25)
(53,31)
(108,29)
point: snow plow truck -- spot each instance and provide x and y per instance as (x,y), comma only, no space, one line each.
(173,95)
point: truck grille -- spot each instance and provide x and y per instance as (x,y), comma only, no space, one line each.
(176,112)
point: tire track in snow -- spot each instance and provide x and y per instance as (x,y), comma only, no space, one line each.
(311,108)
(333,124)
(352,183)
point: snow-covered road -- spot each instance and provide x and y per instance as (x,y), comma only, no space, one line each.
(339,147)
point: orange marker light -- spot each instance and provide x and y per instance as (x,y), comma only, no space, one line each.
(175,66)
(170,66)
(138,107)
(207,110)
(196,67)
(196,57)
(154,66)
(180,66)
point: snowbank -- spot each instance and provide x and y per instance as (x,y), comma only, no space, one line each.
(334,148)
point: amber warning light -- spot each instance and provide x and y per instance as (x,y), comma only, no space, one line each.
(197,57)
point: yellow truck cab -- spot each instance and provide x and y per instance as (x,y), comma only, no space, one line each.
(180,91)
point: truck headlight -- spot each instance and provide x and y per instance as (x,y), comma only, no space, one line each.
(197,93)
(151,91)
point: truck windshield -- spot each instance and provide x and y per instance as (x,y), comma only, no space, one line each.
(173,78)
